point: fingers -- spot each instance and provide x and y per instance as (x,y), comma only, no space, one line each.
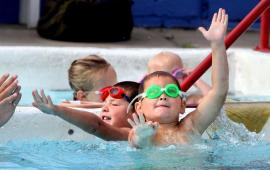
(36,96)
(135,118)
(43,97)
(10,99)
(141,118)
(50,101)
(219,15)
(3,78)
(226,20)
(214,19)
(202,30)
(7,82)
(132,124)
(8,88)
(17,100)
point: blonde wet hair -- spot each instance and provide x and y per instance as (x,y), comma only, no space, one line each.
(83,72)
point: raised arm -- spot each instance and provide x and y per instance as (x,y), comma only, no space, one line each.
(87,121)
(210,105)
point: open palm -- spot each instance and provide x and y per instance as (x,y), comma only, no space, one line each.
(42,102)
(218,27)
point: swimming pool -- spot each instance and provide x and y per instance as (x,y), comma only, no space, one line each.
(34,140)
(230,152)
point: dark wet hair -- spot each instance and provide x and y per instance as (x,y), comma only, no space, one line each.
(157,74)
(131,89)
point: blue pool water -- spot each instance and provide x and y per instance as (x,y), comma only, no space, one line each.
(57,96)
(231,147)
(98,154)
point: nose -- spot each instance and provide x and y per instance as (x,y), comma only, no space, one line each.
(105,108)
(163,97)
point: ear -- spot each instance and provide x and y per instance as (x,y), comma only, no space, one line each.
(138,107)
(80,95)
(183,106)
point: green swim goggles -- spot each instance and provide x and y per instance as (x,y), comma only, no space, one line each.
(155,91)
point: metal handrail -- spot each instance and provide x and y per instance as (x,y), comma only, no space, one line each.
(230,38)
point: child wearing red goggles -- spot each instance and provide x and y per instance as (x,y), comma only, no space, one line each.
(110,124)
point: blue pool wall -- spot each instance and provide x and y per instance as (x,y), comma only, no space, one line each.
(161,13)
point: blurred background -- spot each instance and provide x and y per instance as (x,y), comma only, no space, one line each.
(146,13)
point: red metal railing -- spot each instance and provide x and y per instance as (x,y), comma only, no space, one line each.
(264,32)
(230,38)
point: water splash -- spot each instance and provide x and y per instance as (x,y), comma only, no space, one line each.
(230,132)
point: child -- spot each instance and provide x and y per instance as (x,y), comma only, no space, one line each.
(162,101)
(9,97)
(87,75)
(172,63)
(111,124)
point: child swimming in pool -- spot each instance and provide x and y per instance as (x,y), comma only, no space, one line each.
(110,124)
(161,100)
(172,63)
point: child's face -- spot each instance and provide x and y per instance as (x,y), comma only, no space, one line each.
(114,112)
(163,109)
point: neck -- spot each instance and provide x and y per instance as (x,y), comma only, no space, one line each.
(168,125)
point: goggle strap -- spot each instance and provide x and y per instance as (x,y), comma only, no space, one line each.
(132,101)
(183,95)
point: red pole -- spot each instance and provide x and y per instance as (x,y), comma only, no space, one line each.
(231,37)
(264,33)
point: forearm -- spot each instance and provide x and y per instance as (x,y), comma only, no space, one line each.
(220,71)
(85,120)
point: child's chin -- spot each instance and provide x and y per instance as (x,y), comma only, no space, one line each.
(162,110)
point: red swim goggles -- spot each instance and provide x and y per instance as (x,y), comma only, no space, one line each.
(114,92)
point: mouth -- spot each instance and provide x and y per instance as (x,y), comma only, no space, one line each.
(106,118)
(162,106)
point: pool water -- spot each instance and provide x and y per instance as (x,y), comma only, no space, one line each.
(231,146)
(57,96)
(214,154)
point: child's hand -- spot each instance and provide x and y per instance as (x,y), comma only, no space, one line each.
(142,129)
(218,27)
(42,102)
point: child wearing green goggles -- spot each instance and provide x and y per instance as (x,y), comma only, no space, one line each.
(157,119)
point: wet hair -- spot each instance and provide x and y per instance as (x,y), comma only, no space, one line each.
(82,72)
(157,74)
(131,89)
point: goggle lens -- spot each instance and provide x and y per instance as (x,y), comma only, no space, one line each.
(155,91)
(172,90)
(178,73)
(114,92)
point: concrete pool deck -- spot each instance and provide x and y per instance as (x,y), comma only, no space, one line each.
(19,35)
